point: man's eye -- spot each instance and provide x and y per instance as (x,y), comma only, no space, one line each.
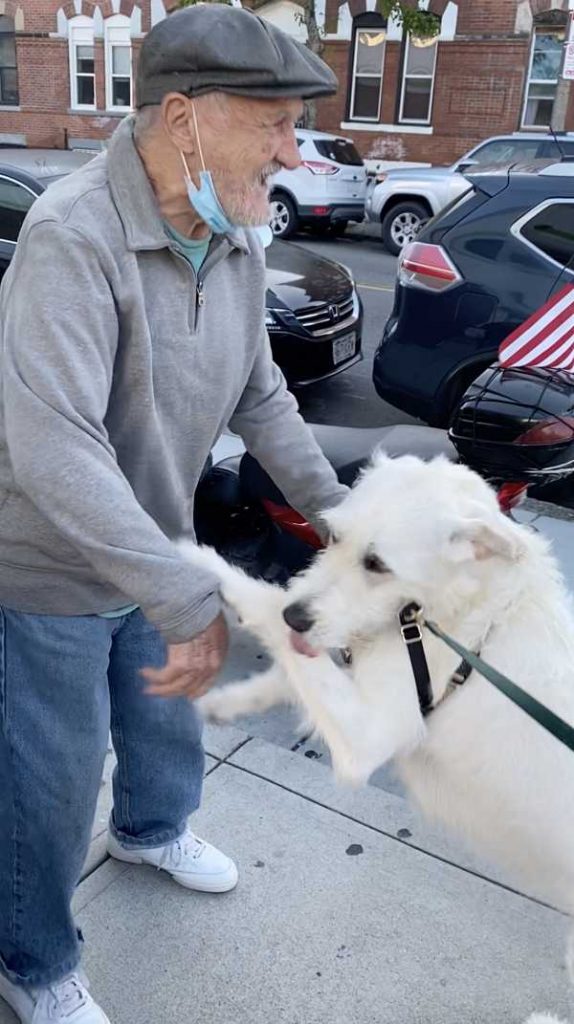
(372,563)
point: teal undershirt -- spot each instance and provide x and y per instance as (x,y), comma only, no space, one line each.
(195,253)
(194,250)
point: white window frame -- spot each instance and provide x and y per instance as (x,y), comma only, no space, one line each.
(417,120)
(536,81)
(80,33)
(117,32)
(369,30)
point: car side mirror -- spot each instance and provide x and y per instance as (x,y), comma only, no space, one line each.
(464,165)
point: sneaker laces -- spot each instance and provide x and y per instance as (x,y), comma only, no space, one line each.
(187,846)
(64,998)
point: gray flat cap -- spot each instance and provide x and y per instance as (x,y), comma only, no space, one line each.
(214,47)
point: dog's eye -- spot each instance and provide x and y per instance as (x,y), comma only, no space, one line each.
(372,563)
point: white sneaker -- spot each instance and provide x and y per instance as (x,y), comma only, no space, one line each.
(189,860)
(67,1001)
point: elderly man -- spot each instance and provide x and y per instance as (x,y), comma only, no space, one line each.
(133,333)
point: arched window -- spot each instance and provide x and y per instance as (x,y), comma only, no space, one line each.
(368,55)
(8,68)
(82,64)
(544,69)
(119,84)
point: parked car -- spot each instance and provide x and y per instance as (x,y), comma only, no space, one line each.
(402,200)
(314,314)
(476,272)
(325,192)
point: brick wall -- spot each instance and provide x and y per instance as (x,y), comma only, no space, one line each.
(487,17)
(479,83)
(44,115)
(479,89)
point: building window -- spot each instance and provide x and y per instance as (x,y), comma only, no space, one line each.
(82,64)
(418,80)
(543,73)
(119,85)
(367,76)
(8,69)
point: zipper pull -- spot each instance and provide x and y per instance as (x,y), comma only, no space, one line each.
(199,295)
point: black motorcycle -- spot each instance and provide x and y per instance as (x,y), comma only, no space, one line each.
(515,427)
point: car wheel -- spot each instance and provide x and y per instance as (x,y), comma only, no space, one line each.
(402,224)
(283,216)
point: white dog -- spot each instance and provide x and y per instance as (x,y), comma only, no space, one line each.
(431,533)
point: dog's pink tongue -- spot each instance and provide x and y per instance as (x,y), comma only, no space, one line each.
(299,644)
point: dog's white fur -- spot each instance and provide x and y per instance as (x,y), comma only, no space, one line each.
(477,762)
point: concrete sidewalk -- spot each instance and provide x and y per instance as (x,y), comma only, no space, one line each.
(350,909)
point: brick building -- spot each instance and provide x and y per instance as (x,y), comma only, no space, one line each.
(493,68)
(66,71)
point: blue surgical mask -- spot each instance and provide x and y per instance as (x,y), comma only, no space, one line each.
(205,200)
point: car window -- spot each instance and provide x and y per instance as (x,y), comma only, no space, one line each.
(339,150)
(553,149)
(15,201)
(503,151)
(552,231)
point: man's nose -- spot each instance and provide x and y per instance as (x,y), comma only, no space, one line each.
(288,154)
(298,617)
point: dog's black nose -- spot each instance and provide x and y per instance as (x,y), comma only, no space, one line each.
(298,617)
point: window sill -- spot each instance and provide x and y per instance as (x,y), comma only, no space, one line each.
(91,112)
(397,129)
(9,108)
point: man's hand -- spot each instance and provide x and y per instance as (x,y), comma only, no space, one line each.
(191,667)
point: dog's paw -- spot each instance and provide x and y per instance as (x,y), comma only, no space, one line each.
(216,706)
(349,773)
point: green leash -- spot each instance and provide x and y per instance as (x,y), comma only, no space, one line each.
(541,714)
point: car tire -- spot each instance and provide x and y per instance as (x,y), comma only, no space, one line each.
(402,224)
(284,219)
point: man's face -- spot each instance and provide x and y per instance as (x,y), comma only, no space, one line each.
(245,142)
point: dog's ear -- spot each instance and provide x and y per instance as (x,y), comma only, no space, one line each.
(476,540)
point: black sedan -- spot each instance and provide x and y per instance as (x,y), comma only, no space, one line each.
(314,315)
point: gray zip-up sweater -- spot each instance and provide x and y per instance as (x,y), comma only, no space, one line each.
(119,372)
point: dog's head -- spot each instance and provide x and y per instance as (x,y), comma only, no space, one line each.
(409,530)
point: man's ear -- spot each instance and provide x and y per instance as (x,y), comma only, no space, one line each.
(476,540)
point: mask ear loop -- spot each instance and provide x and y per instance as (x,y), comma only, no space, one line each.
(184,158)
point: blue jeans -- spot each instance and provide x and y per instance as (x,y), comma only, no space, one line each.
(63,681)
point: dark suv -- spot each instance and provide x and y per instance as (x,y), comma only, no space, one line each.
(476,272)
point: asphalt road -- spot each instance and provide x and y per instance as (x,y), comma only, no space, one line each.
(350,398)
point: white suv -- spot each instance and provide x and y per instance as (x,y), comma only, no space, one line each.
(401,200)
(325,192)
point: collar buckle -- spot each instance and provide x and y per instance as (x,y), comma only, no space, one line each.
(411,633)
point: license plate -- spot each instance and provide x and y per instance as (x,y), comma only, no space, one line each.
(344,348)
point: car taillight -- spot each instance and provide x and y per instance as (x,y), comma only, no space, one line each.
(319,167)
(511,496)
(291,521)
(555,431)
(427,266)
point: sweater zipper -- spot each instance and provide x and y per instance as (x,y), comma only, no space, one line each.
(199,300)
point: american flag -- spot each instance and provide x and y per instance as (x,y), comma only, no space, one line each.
(546,338)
